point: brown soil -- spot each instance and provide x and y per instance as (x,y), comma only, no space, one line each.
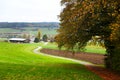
(91,57)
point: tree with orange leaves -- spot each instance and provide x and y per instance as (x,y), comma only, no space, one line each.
(82,19)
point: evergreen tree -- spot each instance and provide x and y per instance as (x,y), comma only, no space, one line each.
(45,38)
(36,40)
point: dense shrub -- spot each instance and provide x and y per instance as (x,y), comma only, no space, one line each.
(116,60)
(36,40)
(112,60)
(45,38)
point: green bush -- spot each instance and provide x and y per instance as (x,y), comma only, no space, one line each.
(45,38)
(36,40)
(116,60)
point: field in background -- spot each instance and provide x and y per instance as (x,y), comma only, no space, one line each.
(90,49)
(50,32)
(31,30)
(18,62)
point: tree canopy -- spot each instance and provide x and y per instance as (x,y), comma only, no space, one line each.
(82,19)
(45,38)
(39,34)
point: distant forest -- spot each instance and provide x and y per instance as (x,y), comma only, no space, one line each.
(27,24)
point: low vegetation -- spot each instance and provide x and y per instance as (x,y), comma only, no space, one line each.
(18,62)
(88,48)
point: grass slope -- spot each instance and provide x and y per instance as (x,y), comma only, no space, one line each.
(18,62)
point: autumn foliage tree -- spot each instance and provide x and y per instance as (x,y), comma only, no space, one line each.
(83,19)
(39,35)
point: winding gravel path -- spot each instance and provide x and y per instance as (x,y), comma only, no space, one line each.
(102,72)
(37,51)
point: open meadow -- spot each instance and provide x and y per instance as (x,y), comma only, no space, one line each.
(31,30)
(19,62)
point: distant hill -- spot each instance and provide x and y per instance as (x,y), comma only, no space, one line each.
(27,24)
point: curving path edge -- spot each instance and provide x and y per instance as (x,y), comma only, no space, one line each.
(37,51)
(102,72)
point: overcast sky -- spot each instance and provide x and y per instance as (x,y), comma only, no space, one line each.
(29,10)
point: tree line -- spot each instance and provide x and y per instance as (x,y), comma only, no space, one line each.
(26,24)
(44,38)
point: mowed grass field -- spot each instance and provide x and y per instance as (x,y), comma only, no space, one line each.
(19,62)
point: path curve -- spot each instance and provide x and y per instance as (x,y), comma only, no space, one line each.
(102,72)
(37,51)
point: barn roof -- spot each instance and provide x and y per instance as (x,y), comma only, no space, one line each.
(17,39)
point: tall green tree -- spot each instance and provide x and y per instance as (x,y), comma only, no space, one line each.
(45,38)
(82,19)
(39,34)
(36,40)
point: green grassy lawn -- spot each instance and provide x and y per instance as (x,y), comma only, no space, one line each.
(2,39)
(95,49)
(90,49)
(18,62)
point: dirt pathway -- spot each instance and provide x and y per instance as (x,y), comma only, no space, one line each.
(78,61)
(37,50)
(93,61)
(91,65)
